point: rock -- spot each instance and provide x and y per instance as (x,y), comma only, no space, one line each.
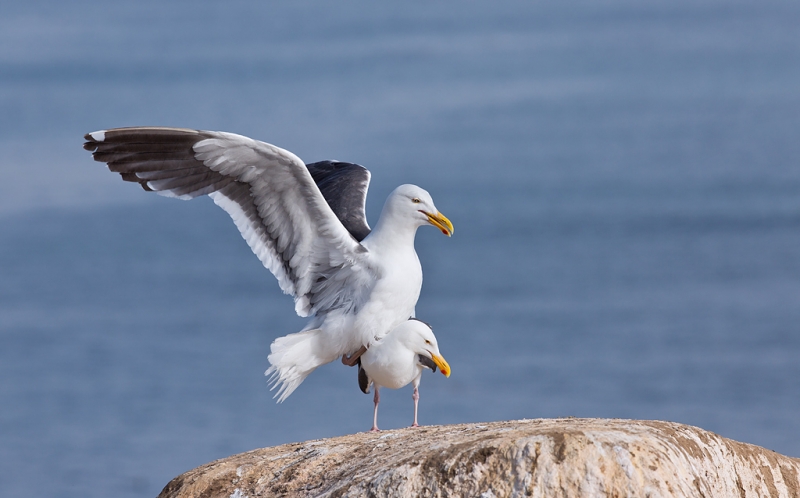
(545,458)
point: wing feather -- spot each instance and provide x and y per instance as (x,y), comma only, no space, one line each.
(270,195)
(344,186)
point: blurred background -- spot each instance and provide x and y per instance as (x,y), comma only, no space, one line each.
(622,176)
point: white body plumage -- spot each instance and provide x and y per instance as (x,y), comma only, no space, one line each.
(388,301)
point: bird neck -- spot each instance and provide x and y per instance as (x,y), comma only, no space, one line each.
(392,232)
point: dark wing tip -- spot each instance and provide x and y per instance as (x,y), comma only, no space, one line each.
(158,158)
(91,143)
(363,378)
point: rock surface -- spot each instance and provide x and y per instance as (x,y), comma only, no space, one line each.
(545,458)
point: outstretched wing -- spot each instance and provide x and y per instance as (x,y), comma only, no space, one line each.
(268,192)
(344,186)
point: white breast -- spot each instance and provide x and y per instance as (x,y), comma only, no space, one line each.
(392,300)
(389,365)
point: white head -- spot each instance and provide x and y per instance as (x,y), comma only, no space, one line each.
(410,201)
(418,336)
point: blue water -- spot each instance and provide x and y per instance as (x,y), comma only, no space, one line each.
(623,178)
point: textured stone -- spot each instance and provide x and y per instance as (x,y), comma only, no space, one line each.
(542,458)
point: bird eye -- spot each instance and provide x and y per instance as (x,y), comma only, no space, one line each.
(427,341)
(416,200)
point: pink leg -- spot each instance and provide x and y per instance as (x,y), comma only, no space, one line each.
(415,397)
(376,399)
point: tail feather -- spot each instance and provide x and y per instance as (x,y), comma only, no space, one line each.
(292,358)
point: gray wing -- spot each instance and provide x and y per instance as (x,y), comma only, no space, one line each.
(268,192)
(344,186)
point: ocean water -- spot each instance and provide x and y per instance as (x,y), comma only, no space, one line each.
(622,176)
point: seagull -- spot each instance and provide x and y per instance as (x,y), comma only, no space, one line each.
(305,223)
(398,359)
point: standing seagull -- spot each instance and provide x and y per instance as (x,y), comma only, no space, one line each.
(355,291)
(398,359)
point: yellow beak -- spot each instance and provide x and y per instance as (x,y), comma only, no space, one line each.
(441,222)
(442,364)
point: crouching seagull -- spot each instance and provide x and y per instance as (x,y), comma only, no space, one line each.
(398,359)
